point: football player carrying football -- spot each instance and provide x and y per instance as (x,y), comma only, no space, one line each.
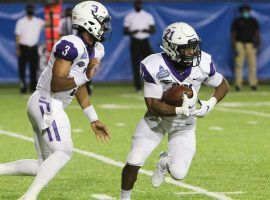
(72,63)
(181,63)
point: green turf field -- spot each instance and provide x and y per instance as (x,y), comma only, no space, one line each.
(232,159)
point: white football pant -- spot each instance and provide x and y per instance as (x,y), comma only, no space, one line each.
(181,145)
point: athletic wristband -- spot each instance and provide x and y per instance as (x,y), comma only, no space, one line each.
(90,113)
(212,101)
(80,80)
(179,111)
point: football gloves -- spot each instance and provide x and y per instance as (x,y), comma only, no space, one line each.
(206,107)
(188,105)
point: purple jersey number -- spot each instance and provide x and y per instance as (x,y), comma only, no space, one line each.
(66,50)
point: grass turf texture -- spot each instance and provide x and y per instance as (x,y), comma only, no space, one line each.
(235,158)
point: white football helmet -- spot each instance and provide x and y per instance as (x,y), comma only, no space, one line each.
(179,37)
(94,18)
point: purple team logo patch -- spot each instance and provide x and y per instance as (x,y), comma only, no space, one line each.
(81,64)
(163,73)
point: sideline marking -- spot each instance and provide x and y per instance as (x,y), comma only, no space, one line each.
(120,164)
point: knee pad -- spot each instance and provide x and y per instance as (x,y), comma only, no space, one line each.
(135,158)
(178,172)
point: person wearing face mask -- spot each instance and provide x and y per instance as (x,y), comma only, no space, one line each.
(27,31)
(245,33)
(139,25)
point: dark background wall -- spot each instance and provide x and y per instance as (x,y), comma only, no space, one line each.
(211,19)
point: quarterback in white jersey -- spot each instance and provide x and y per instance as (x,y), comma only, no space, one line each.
(72,63)
(181,63)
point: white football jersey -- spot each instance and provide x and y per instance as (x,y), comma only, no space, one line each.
(71,48)
(159,75)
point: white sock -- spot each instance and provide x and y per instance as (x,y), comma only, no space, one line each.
(125,195)
(20,167)
(46,172)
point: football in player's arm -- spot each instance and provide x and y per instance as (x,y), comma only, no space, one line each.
(72,63)
(181,63)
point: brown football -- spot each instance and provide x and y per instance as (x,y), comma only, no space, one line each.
(173,96)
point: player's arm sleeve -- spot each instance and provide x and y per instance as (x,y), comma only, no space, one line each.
(214,78)
(18,28)
(99,51)
(66,50)
(151,20)
(42,23)
(152,88)
(126,23)
(60,27)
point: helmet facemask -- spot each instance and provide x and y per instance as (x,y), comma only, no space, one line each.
(105,31)
(193,45)
(178,52)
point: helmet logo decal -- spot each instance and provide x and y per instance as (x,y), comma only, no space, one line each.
(95,8)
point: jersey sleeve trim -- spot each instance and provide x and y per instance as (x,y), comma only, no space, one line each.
(146,75)
(212,69)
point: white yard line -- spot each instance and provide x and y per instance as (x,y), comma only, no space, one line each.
(102,197)
(120,164)
(238,104)
(252,122)
(239,111)
(120,124)
(216,128)
(121,106)
(77,130)
(195,193)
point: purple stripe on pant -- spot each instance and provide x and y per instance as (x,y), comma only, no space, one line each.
(56,131)
(41,110)
(49,134)
(47,104)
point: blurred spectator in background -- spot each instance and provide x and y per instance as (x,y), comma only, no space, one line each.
(27,32)
(139,25)
(65,25)
(246,40)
